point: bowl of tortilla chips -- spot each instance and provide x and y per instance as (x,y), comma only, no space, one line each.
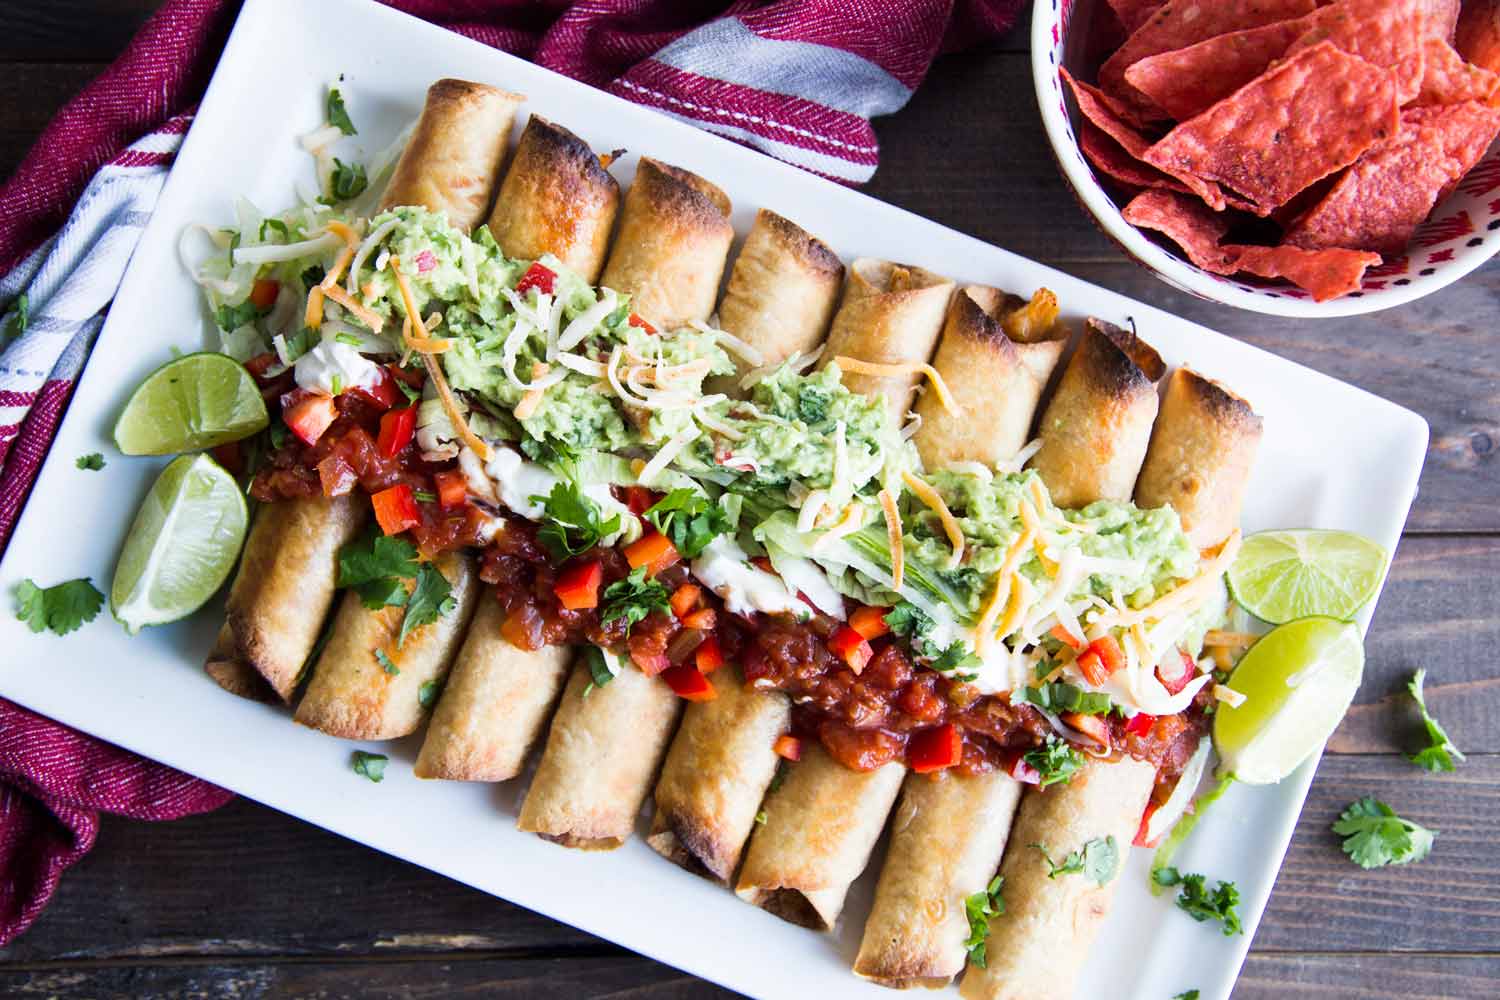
(1293,157)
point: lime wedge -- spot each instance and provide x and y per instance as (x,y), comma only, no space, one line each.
(193,402)
(182,545)
(1280,576)
(1298,681)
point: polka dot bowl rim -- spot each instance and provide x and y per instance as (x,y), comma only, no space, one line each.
(1461,234)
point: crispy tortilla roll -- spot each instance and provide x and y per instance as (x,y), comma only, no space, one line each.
(1095,430)
(453,158)
(232,673)
(1200,456)
(556,198)
(493,708)
(352,695)
(891,314)
(996,355)
(820,828)
(285,585)
(946,839)
(602,752)
(1039,944)
(673,242)
(716,774)
(782,290)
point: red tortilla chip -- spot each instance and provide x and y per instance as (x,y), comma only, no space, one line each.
(1326,274)
(1442,19)
(1111,159)
(1477,37)
(1382,199)
(1187,82)
(1447,79)
(1134,13)
(1181,23)
(1188,223)
(1308,116)
(1385,33)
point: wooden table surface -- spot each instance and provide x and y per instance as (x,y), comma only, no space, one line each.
(247,902)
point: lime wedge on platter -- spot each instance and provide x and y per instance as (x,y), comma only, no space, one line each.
(182,545)
(191,403)
(1280,576)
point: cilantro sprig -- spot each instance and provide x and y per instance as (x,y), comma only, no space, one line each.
(347,181)
(979,908)
(375,566)
(573,523)
(633,598)
(917,627)
(60,608)
(1440,753)
(231,318)
(338,115)
(690,520)
(92,462)
(1374,836)
(1060,696)
(1097,860)
(1200,902)
(1056,761)
(601,670)
(369,765)
(431,599)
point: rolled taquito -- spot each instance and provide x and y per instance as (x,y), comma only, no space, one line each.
(602,752)
(996,355)
(497,700)
(820,827)
(1200,456)
(283,590)
(1038,945)
(232,673)
(452,161)
(556,198)
(1095,430)
(891,314)
(356,695)
(672,246)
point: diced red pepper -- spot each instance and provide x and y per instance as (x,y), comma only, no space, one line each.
(851,647)
(261,363)
(652,550)
(763,564)
(1140,833)
(684,599)
(639,499)
(689,682)
(1092,726)
(310,416)
(702,619)
(1103,657)
(788,747)
(397,428)
(1021,770)
(384,394)
(1174,683)
(1140,724)
(396,509)
(541,278)
(651,664)
(230,456)
(870,622)
(934,749)
(414,378)
(709,656)
(1065,637)
(452,489)
(577,587)
(263,293)
(637,321)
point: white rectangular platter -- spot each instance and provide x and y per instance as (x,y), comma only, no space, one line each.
(1333,456)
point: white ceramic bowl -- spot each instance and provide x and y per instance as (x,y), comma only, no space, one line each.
(1462,232)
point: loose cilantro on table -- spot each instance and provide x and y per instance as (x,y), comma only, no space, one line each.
(431,599)
(1097,860)
(633,598)
(1060,696)
(92,462)
(427,694)
(1187,995)
(1440,753)
(979,908)
(1055,760)
(60,608)
(375,566)
(338,115)
(1201,903)
(573,522)
(347,181)
(1374,836)
(369,765)
(231,318)
(386,663)
(23,313)
(689,519)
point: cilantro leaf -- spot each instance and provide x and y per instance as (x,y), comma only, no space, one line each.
(689,519)
(348,180)
(1097,860)
(386,663)
(338,115)
(428,693)
(1187,995)
(92,462)
(1055,760)
(231,318)
(599,666)
(1440,753)
(910,622)
(313,276)
(430,599)
(633,598)
(278,226)
(1060,696)
(1070,865)
(979,908)
(1374,836)
(1201,903)
(956,659)
(60,608)
(369,765)
(375,565)
(573,523)
(23,312)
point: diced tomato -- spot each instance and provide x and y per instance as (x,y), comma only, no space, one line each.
(1065,637)
(1103,657)
(383,396)
(1140,724)
(261,363)
(1092,726)
(651,664)
(577,587)
(336,475)
(263,293)
(538,277)
(522,628)
(788,747)
(396,430)
(702,619)
(870,622)
(1174,683)
(685,599)
(763,564)
(851,647)
(414,378)
(709,656)
(425,261)
(230,456)
(934,749)
(396,509)
(637,321)
(1140,833)
(653,550)
(688,681)
(452,489)
(310,416)
(639,499)
(1021,770)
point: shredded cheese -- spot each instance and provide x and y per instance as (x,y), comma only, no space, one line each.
(1228,695)
(1021,593)
(924,492)
(945,398)
(1189,593)
(366,248)
(749,354)
(1002,587)
(668,452)
(408,302)
(893,537)
(581,364)
(359,312)
(533,398)
(312,316)
(1229,640)
(850,521)
(450,405)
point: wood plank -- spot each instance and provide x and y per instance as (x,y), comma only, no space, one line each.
(1371,977)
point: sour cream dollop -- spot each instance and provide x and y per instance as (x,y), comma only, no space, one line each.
(332,367)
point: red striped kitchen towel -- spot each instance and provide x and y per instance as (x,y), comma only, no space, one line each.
(797,79)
